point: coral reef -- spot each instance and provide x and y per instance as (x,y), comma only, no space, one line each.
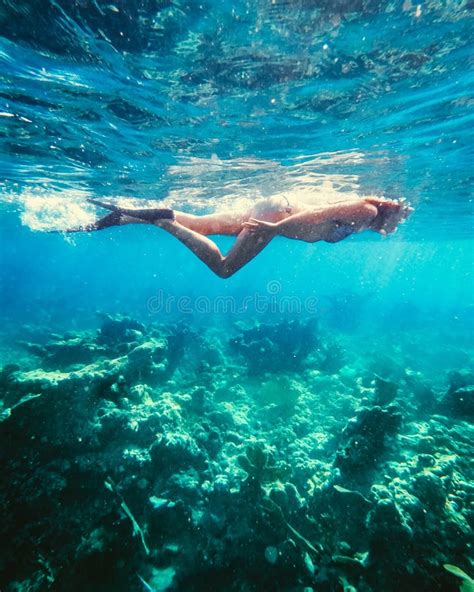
(159,458)
(459,400)
(365,438)
(276,347)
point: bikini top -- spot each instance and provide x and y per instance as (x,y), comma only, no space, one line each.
(340,231)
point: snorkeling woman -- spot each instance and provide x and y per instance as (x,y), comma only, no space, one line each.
(256,227)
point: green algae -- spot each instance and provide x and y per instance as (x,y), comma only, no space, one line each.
(137,530)
(467,583)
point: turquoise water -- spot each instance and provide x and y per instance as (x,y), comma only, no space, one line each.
(303,425)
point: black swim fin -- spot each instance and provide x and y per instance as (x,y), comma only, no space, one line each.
(112,219)
(147,214)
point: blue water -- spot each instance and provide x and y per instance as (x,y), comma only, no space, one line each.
(201,105)
(207,104)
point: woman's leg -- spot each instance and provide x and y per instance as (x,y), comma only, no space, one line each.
(227,223)
(247,245)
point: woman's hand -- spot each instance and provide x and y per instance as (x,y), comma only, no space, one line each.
(390,214)
(254,225)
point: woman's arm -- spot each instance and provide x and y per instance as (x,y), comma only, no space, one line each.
(313,222)
(316,224)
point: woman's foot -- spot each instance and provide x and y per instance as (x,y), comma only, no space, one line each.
(120,216)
